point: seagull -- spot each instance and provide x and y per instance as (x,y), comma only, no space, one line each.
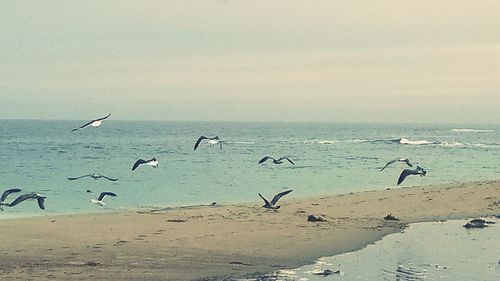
(99,200)
(152,162)
(94,123)
(40,198)
(406,172)
(276,161)
(95,176)
(276,197)
(405,160)
(5,194)
(211,141)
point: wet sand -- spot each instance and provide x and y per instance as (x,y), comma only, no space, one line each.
(216,242)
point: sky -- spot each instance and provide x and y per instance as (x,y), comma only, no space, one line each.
(215,60)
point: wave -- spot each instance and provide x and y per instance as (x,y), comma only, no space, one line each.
(472,130)
(338,141)
(403,141)
(417,142)
(321,141)
(452,144)
(244,142)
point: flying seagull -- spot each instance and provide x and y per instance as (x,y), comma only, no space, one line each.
(211,141)
(94,123)
(95,176)
(276,197)
(99,200)
(40,198)
(276,161)
(152,162)
(406,172)
(405,160)
(5,194)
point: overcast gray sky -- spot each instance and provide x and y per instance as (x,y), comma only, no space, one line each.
(332,61)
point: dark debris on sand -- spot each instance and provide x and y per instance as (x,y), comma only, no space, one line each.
(315,218)
(477,223)
(327,272)
(390,217)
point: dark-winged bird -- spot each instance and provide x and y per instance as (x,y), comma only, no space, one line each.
(272,205)
(5,194)
(151,162)
(276,161)
(40,198)
(95,176)
(405,160)
(99,200)
(94,123)
(211,141)
(406,172)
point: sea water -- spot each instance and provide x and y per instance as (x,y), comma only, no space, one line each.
(425,251)
(39,156)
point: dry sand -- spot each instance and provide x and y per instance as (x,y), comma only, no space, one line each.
(213,243)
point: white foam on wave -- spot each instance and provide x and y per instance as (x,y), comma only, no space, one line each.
(472,130)
(327,142)
(244,142)
(452,144)
(321,141)
(459,144)
(412,142)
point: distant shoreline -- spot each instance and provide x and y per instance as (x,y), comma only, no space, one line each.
(213,242)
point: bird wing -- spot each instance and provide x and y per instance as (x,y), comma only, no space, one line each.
(137,163)
(21,198)
(388,163)
(8,192)
(111,179)
(265,159)
(404,174)
(199,140)
(102,118)
(91,121)
(407,161)
(72,179)
(83,126)
(284,157)
(103,194)
(41,202)
(279,195)
(265,200)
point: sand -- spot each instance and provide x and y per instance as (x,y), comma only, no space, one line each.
(218,242)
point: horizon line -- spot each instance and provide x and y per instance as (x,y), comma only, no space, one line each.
(261,121)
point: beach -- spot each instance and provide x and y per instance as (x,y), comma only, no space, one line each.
(225,241)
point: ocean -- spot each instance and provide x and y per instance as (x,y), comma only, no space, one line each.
(330,158)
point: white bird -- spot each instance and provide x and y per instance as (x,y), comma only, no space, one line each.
(99,200)
(405,160)
(151,162)
(276,161)
(40,198)
(94,123)
(272,205)
(406,172)
(211,141)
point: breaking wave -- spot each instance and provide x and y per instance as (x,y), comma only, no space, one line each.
(472,130)
(415,142)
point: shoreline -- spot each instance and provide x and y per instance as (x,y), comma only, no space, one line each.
(223,241)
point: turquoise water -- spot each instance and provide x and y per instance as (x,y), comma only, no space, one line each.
(426,251)
(330,158)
